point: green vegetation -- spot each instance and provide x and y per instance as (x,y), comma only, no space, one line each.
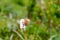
(44,16)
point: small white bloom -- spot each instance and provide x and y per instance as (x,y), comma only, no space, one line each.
(23,24)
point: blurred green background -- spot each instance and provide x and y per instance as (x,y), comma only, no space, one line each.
(44,16)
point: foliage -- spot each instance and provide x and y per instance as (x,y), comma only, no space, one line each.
(44,16)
